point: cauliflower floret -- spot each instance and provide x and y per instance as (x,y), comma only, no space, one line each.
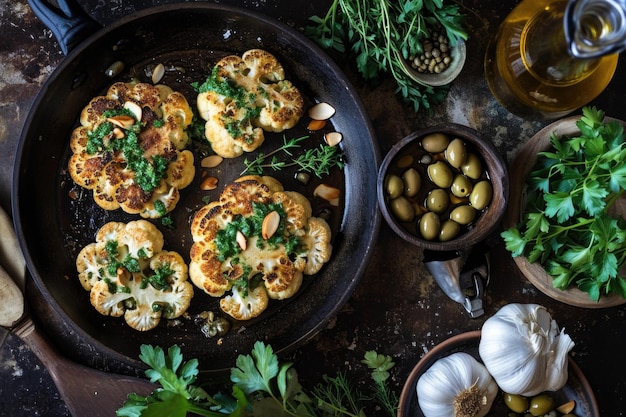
(128,273)
(130,146)
(244,96)
(318,246)
(232,247)
(242,306)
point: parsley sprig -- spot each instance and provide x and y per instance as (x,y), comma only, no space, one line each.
(567,225)
(318,161)
(383,34)
(262,386)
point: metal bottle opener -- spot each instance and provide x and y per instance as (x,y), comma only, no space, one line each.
(463,275)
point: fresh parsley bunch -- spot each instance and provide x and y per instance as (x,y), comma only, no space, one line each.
(383,34)
(567,225)
(261,387)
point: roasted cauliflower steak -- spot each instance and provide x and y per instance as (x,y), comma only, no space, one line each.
(128,273)
(254,244)
(130,149)
(245,96)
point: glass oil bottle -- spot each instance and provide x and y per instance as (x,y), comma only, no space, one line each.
(551,57)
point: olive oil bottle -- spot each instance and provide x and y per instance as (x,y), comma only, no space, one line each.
(549,58)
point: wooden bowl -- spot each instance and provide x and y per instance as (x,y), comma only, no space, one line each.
(495,171)
(520,168)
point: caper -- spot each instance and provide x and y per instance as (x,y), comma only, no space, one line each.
(435,142)
(429,226)
(517,403)
(114,69)
(461,186)
(481,195)
(402,209)
(472,167)
(440,174)
(463,214)
(456,153)
(437,200)
(541,404)
(449,230)
(393,186)
(412,182)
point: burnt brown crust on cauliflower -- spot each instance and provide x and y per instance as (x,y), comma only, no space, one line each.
(236,257)
(245,96)
(130,149)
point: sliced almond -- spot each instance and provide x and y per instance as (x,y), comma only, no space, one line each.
(208,184)
(241,240)
(316,124)
(333,138)
(118,133)
(328,193)
(135,109)
(321,111)
(270,224)
(211,161)
(123,121)
(158,73)
(566,408)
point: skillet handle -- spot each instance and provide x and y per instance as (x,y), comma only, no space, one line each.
(69,23)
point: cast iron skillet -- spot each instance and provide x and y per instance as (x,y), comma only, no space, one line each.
(54,220)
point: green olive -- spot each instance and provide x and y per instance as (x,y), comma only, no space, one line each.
(449,230)
(461,186)
(412,182)
(481,195)
(516,403)
(463,214)
(429,226)
(472,167)
(440,174)
(456,153)
(402,209)
(393,186)
(541,404)
(437,200)
(435,142)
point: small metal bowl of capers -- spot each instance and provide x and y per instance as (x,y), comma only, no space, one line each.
(443,187)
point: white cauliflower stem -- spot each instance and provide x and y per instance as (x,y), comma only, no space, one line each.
(127,273)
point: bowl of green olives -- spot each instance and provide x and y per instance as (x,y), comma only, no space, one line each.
(443,188)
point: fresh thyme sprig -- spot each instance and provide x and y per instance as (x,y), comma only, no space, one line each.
(383,34)
(318,161)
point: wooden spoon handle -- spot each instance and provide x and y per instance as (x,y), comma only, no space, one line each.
(86,391)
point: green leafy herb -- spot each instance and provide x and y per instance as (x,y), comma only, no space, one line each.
(383,34)
(262,386)
(318,161)
(567,226)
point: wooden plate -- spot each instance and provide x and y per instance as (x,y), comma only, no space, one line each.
(520,168)
(576,388)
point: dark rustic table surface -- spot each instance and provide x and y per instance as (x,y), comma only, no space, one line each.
(396,309)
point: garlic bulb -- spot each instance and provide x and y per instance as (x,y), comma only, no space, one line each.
(456,386)
(524,351)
